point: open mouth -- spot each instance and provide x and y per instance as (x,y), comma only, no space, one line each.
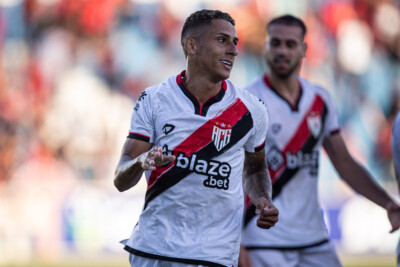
(227,63)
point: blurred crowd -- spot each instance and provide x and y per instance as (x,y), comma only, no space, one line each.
(71,70)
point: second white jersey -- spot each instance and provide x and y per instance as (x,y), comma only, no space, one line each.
(293,146)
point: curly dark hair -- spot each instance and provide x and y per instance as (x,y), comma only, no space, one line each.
(202,18)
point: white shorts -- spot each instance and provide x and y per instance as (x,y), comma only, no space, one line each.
(322,255)
(137,261)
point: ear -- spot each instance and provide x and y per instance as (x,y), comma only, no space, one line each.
(190,45)
(305,46)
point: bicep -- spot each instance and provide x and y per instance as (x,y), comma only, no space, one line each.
(336,149)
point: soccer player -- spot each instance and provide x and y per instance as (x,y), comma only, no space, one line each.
(193,136)
(303,118)
(396,161)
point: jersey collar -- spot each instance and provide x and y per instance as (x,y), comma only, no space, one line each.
(294,107)
(198,109)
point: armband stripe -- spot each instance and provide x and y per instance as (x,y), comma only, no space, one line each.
(137,136)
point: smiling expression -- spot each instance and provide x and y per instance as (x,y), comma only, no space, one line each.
(285,48)
(216,50)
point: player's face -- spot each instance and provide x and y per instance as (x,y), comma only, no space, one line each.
(284,49)
(217,50)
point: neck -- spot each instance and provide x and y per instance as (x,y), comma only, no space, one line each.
(288,84)
(288,87)
(201,87)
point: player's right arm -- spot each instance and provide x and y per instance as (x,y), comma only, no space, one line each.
(136,157)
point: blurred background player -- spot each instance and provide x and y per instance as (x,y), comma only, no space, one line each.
(192,135)
(303,118)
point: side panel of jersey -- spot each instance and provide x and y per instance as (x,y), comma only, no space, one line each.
(193,206)
(292,148)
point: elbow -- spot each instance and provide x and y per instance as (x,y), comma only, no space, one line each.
(118,181)
(119,186)
(124,181)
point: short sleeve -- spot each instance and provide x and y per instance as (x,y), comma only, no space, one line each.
(142,126)
(260,123)
(332,118)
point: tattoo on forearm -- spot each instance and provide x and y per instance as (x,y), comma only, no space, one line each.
(256,176)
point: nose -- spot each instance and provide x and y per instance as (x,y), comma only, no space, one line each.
(281,49)
(232,50)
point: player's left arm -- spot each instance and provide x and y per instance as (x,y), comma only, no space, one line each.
(358,178)
(259,188)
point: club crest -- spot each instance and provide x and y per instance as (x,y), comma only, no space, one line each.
(221,135)
(314,123)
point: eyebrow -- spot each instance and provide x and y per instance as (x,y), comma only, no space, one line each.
(284,40)
(229,36)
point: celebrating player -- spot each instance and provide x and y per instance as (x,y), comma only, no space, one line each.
(193,136)
(303,118)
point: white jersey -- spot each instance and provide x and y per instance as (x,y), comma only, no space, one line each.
(293,145)
(194,206)
(396,144)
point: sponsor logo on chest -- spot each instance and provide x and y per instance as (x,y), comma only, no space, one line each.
(276,159)
(217,172)
(221,135)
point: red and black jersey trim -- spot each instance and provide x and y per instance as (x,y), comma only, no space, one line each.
(138,136)
(198,109)
(309,144)
(260,147)
(172,259)
(294,107)
(336,131)
(200,142)
(302,141)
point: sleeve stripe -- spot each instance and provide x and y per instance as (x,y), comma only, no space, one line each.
(140,137)
(260,147)
(335,131)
